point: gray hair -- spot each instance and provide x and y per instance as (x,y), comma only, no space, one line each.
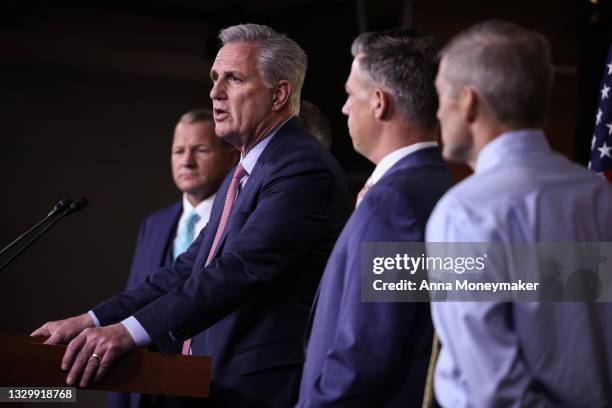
(508,65)
(279,57)
(405,62)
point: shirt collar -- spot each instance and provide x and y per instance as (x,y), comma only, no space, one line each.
(249,161)
(516,141)
(389,160)
(202,209)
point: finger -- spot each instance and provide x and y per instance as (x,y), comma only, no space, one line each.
(41,331)
(58,337)
(107,361)
(71,351)
(79,364)
(90,370)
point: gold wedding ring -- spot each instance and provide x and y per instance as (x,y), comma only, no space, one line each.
(97,357)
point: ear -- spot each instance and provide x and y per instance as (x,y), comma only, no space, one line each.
(280,95)
(381,104)
(469,103)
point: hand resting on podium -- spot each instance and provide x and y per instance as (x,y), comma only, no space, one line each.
(91,350)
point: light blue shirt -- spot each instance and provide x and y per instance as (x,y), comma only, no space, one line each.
(523,354)
(248,161)
(202,209)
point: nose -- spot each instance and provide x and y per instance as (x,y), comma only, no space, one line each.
(345,108)
(217,91)
(188,158)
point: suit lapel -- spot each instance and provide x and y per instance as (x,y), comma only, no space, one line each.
(167,229)
(248,196)
(213,222)
(245,199)
(427,156)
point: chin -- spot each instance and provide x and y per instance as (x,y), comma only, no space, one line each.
(222,129)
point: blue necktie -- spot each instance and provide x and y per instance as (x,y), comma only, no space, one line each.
(185,234)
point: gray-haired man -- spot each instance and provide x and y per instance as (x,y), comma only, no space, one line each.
(244,288)
(494,83)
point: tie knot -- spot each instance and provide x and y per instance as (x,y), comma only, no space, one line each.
(368,184)
(240,172)
(192,218)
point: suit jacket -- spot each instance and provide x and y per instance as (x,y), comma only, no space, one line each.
(374,354)
(248,308)
(153,251)
(154,245)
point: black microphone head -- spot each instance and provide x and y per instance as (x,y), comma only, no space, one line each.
(61,205)
(77,205)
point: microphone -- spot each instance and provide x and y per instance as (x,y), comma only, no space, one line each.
(64,207)
(61,205)
(77,205)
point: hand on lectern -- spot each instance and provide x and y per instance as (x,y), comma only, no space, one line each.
(91,353)
(62,331)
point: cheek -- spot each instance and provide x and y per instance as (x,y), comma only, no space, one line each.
(204,165)
(175,163)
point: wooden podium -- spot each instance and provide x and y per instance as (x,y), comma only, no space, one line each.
(24,361)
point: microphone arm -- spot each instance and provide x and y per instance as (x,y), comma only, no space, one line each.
(72,208)
(59,207)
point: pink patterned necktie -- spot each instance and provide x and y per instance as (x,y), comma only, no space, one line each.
(363,191)
(227,209)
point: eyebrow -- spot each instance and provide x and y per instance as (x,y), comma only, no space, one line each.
(227,73)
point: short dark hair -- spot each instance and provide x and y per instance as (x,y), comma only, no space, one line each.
(197,115)
(406,63)
(508,65)
(316,122)
(203,115)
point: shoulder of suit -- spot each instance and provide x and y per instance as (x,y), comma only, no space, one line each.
(387,195)
(172,210)
(301,149)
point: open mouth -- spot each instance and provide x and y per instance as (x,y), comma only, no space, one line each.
(220,114)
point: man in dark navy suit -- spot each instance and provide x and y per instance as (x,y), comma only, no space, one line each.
(376,354)
(200,161)
(243,290)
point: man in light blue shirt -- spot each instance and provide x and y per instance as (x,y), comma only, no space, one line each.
(494,85)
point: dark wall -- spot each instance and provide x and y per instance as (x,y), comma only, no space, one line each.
(89,101)
(89,96)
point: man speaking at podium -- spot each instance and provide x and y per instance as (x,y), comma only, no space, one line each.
(243,290)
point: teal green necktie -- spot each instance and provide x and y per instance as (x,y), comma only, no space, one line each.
(185,234)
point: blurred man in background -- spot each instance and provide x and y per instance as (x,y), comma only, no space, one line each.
(200,161)
(316,122)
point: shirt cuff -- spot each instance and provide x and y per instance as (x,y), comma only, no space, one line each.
(138,333)
(94,318)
